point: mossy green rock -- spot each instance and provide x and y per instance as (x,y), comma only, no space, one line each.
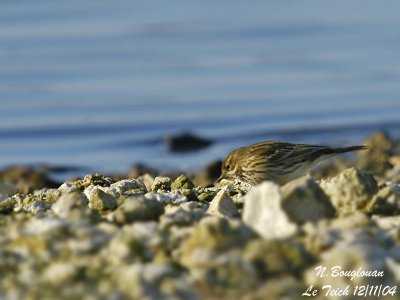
(128,186)
(52,195)
(102,201)
(350,191)
(161,183)
(207,195)
(93,179)
(189,194)
(182,182)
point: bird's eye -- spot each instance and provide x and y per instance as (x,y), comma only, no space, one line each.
(227,167)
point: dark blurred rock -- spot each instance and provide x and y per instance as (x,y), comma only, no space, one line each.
(185,142)
(7,205)
(387,200)
(305,201)
(27,179)
(380,147)
(139,170)
(209,174)
(330,167)
(7,189)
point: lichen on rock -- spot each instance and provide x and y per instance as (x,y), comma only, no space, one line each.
(149,237)
(182,182)
(350,191)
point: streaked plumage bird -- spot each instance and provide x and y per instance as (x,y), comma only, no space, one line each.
(276,161)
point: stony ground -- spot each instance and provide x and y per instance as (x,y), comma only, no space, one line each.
(162,238)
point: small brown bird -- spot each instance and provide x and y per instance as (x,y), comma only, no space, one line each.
(276,161)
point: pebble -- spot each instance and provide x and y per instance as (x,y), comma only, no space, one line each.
(167,239)
(222,206)
(263,212)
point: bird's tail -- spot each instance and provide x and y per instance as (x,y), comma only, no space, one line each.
(350,149)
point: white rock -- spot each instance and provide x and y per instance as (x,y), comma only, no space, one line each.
(242,186)
(222,206)
(148,232)
(59,273)
(89,190)
(163,198)
(125,185)
(46,226)
(387,222)
(350,191)
(147,180)
(177,197)
(263,212)
(37,207)
(174,197)
(118,188)
(67,187)
(67,202)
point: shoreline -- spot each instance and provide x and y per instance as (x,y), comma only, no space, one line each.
(150,236)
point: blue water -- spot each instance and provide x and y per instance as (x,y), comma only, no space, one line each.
(99,84)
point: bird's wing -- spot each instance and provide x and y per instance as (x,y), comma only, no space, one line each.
(272,150)
(279,151)
(309,153)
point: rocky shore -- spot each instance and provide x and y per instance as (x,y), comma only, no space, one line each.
(334,235)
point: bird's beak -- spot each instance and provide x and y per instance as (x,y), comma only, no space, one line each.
(219,179)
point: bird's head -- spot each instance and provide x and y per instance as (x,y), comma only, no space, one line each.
(230,168)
